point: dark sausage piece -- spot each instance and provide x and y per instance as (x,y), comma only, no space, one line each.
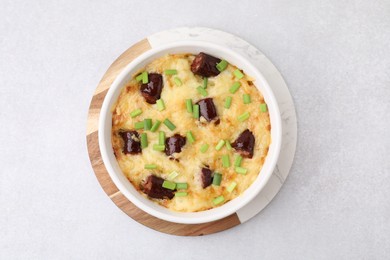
(205,65)
(245,144)
(206,175)
(132,144)
(207,109)
(154,189)
(174,144)
(151,91)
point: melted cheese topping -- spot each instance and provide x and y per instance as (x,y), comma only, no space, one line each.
(191,160)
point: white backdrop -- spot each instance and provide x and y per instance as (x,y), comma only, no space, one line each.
(335,57)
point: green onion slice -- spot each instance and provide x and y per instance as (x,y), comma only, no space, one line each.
(195,112)
(145,77)
(190,137)
(181,194)
(139,125)
(246,98)
(177,81)
(170,72)
(236,85)
(218,200)
(161,138)
(189,105)
(155,126)
(169,185)
(263,107)
(202,91)
(150,166)
(221,66)
(204,148)
(232,186)
(225,161)
(243,116)
(241,170)
(159,147)
(173,175)
(228,145)
(238,74)
(205,81)
(237,161)
(181,185)
(228,102)
(147,124)
(220,145)
(144,140)
(160,105)
(217,179)
(135,113)
(169,124)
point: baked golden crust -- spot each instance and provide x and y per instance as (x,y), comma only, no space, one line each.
(190,160)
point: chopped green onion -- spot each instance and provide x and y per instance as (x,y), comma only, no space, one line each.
(161,138)
(190,137)
(241,170)
(232,186)
(155,126)
(139,77)
(228,102)
(181,185)
(243,117)
(195,112)
(221,66)
(145,77)
(228,145)
(172,175)
(246,98)
(144,140)
(139,125)
(205,81)
(237,161)
(147,124)
(159,147)
(204,148)
(189,105)
(220,145)
(236,85)
(225,161)
(218,200)
(136,113)
(263,107)
(169,185)
(238,74)
(169,124)
(177,81)
(160,105)
(202,91)
(150,166)
(217,179)
(181,194)
(170,72)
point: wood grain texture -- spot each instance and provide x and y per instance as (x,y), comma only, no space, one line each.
(103,177)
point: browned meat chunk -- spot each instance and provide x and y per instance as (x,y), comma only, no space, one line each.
(245,144)
(151,91)
(154,189)
(207,178)
(132,143)
(174,144)
(207,109)
(205,65)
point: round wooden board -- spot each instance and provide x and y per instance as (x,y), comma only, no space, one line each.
(102,175)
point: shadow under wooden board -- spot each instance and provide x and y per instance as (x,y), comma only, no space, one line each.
(103,177)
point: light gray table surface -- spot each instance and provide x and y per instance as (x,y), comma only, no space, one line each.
(335,57)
